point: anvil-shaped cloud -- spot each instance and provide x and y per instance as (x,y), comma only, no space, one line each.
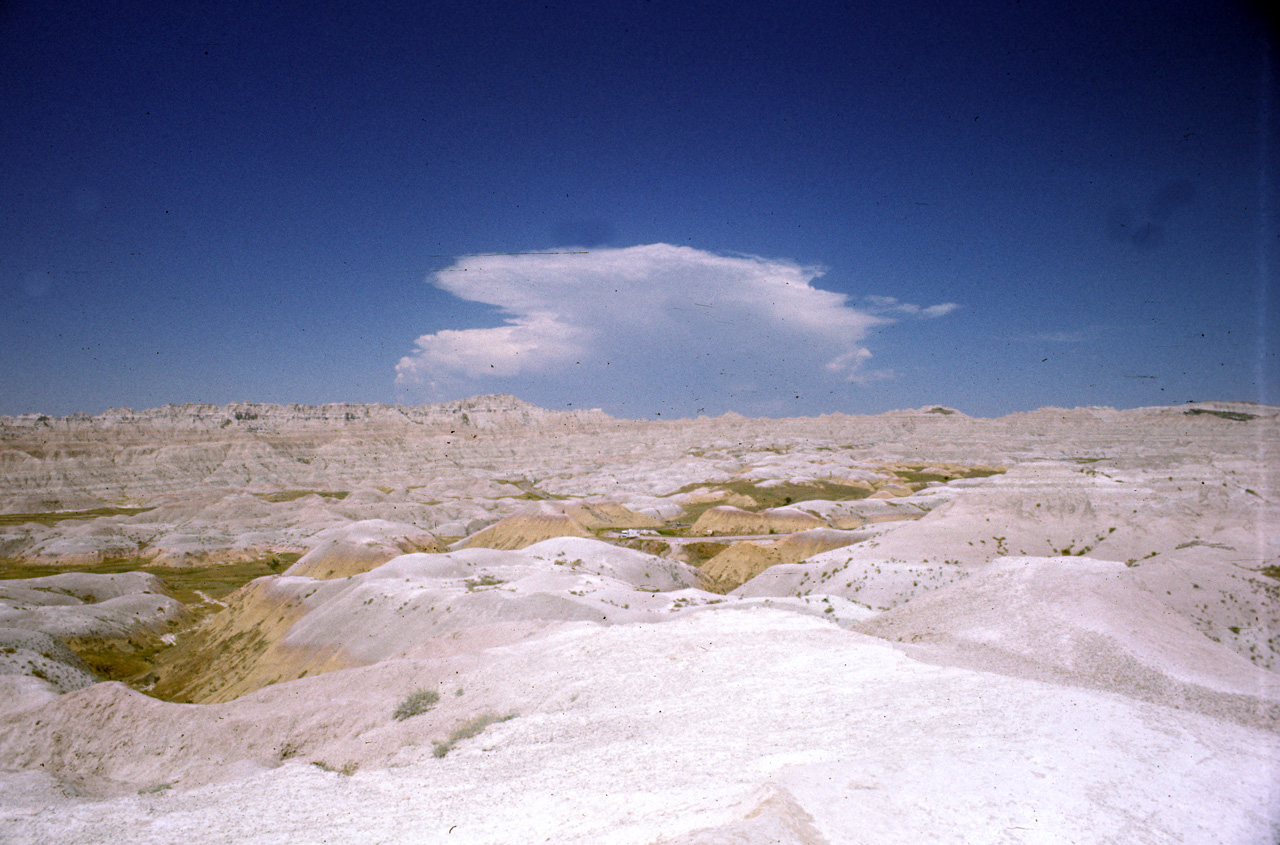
(658,314)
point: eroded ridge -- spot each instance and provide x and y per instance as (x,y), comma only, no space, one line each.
(798,629)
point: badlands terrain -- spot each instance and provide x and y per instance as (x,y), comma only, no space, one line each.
(487,622)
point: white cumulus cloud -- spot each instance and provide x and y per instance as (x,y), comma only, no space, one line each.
(527,343)
(660,325)
(886,305)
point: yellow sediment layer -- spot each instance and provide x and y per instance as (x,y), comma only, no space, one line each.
(343,560)
(725,519)
(743,561)
(520,530)
(238,649)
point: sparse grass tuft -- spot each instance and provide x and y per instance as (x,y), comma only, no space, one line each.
(485,580)
(468,729)
(416,703)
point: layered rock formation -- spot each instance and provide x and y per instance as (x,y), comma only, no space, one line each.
(921,625)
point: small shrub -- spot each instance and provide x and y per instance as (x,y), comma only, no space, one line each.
(476,726)
(415,703)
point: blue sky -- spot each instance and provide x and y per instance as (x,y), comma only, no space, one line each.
(994,206)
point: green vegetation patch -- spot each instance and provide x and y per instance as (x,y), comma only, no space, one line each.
(781,495)
(921,475)
(774,496)
(51,517)
(912,476)
(485,580)
(217,581)
(185,583)
(133,660)
(697,554)
(294,495)
(416,703)
(1236,416)
(468,729)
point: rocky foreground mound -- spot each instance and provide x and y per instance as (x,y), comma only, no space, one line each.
(485,622)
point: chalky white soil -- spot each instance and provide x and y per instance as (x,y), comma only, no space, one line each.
(1078,648)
